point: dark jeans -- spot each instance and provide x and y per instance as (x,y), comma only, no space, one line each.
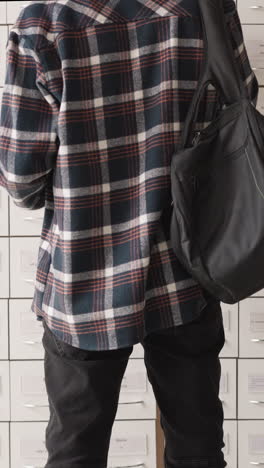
(184,370)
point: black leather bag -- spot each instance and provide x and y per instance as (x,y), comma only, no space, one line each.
(217,177)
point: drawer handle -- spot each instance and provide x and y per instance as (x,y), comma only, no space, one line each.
(32,466)
(32,218)
(256,463)
(257,7)
(33,405)
(256,340)
(31,342)
(256,402)
(29,280)
(135,402)
(128,466)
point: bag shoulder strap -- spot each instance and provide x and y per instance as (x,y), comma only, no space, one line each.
(219,68)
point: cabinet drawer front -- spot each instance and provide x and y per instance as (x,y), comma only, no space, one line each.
(254,41)
(250,443)
(25,331)
(251,389)
(230,440)
(251,327)
(230,321)
(29,401)
(4,445)
(133,444)
(251,11)
(227,393)
(4,393)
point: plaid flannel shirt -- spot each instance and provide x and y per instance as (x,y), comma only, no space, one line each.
(94,101)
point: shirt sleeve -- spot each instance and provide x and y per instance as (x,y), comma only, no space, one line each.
(241,56)
(28,125)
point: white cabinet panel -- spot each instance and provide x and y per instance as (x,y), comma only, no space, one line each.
(3,329)
(25,331)
(250,443)
(27,444)
(251,389)
(13,10)
(138,351)
(29,400)
(23,264)
(136,400)
(230,320)
(260,293)
(4,445)
(260,107)
(4,267)
(251,11)
(133,444)
(227,392)
(4,199)
(4,391)
(3,41)
(230,440)
(251,327)
(25,222)
(2,12)
(254,40)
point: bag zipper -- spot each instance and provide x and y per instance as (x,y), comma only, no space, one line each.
(196,137)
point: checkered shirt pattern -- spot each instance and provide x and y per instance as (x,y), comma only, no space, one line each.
(94,101)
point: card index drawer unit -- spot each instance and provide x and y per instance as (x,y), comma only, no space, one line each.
(13,9)
(260,107)
(132,445)
(25,332)
(230,441)
(2,13)
(4,391)
(4,445)
(29,400)
(3,40)
(25,222)
(227,392)
(254,40)
(250,444)
(251,11)
(230,321)
(23,263)
(3,329)
(251,327)
(251,389)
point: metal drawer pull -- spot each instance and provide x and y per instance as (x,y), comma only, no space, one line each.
(256,7)
(32,405)
(32,218)
(29,280)
(131,403)
(31,342)
(256,340)
(129,466)
(256,402)
(32,466)
(256,463)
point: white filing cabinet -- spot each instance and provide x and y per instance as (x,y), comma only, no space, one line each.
(23,402)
